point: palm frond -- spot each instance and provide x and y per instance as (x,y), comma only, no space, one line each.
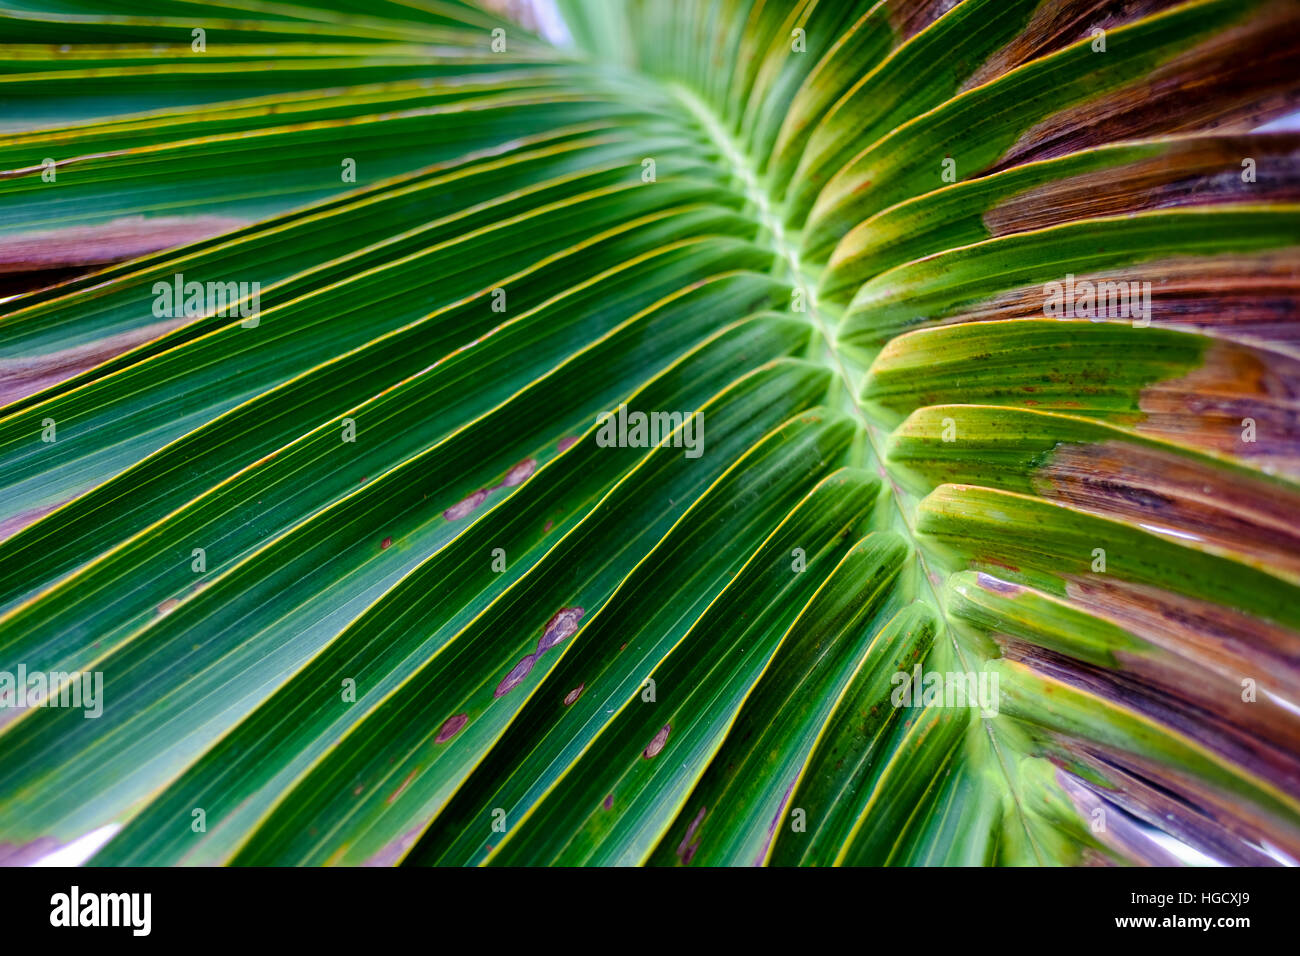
(965,534)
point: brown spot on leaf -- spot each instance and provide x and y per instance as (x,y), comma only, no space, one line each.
(461,508)
(516,676)
(990,583)
(686,849)
(572,696)
(405,783)
(27,374)
(657,745)
(450,728)
(25,854)
(12,525)
(562,624)
(519,473)
(391,854)
(121,239)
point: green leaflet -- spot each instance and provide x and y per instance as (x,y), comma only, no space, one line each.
(851,742)
(974,281)
(382,646)
(679,707)
(732,813)
(1006,112)
(422,780)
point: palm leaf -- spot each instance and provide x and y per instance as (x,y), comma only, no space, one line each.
(363,578)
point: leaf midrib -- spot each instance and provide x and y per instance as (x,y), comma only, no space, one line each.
(791,267)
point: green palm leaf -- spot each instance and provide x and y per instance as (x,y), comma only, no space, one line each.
(970,536)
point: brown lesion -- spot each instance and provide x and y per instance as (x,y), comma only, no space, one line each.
(1206,408)
(20,377)
(1204,722)
(1207,808)
(83,247)
(1234,81)
(1161,489)
(1128,840)
(910,17)
(1200,653)
(25,854)
(11,525)
(1055,24)
(1149,799)
(1253,297)
(1246,297)
(1193,171)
